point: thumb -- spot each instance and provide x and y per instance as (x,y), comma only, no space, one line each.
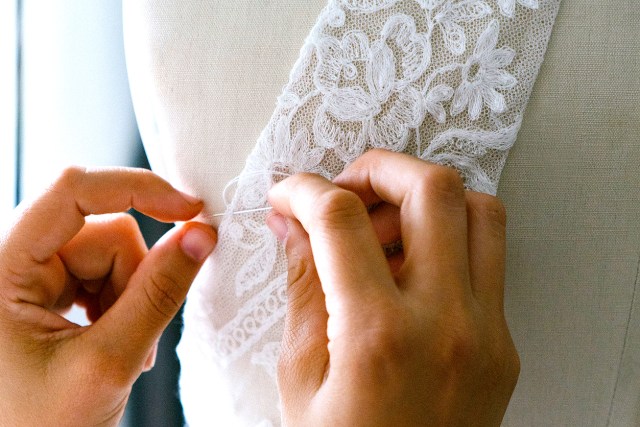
(304,356)
(126,334)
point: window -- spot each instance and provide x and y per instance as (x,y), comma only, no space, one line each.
(76,104)
(8,106)
(64,99)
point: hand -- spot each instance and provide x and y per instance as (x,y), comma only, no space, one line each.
(415,338)
(55,372)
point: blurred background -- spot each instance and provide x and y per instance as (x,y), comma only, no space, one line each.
(64,100)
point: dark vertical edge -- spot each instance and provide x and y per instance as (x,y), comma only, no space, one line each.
(19,101)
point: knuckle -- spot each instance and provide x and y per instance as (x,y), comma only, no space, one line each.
(70,176)
(69,179)
(145,176)
(489,208)
(506,361)
(125,220)
(502,368)
(13,274)
(392,342)
(124,224)
(460,344)
(389,336)
(375,155)
(131,242)
(115,378)
(513,365)
(339,208)
(162,291)
(501,359)
(463,348)
(69,182)
(441,183)
(300,277)
(127,227)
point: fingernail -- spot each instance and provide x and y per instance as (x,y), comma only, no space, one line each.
(278,226)
(190,199)
(197,244)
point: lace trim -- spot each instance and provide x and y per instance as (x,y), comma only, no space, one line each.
(268,358)
(432,78)
(254,318)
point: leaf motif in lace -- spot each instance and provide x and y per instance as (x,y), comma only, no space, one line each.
(508,7)
(437,79)
(354,89)
(451,18)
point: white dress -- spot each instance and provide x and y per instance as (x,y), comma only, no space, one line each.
(443,80)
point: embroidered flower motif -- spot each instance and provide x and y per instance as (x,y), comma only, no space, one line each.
(340,59)
(294,155)
(483,74)
(508,7)
(382,112)
(452,15)
(435,98)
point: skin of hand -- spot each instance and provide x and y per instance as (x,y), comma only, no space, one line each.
(415,338)
(55,372)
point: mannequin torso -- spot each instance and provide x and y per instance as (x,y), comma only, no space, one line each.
(207,75)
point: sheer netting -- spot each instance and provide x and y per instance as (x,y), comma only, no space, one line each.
(444,80)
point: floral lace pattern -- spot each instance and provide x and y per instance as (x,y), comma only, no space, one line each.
(438,79)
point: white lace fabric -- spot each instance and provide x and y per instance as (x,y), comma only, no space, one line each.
(443,80)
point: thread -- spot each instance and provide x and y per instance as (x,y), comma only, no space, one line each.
(244,211)
(227,200)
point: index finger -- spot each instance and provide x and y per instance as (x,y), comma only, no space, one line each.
(46,224)
(348,256)
(433,213)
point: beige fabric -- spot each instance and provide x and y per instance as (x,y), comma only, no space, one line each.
(572,189)
(571,184)
(205,74)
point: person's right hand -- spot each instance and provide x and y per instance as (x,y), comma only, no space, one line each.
(418,338)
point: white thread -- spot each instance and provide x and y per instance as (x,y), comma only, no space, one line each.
(244,211)
(244,175)
(235,180)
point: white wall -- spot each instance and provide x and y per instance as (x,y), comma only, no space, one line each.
(77,107)
(76,102)
(7,107)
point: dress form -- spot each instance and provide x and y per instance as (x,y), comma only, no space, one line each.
(570,186)
(222,97)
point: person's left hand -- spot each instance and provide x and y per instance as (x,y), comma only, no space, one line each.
(54,372)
